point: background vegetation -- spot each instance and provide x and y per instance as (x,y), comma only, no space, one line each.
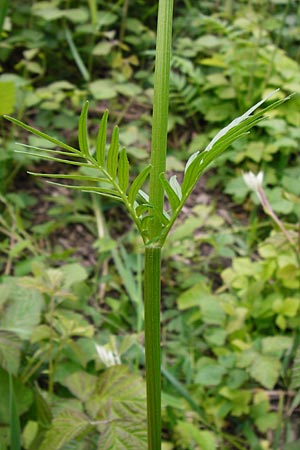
(71,315)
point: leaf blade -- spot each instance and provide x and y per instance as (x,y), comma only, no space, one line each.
(137,184)
(82,130)
(112,155)
(101,139)
(123,170)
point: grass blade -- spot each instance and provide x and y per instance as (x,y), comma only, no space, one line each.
(101,139)
(123,170)
(82,130)
(15,431)
(112,155)
(77,58)
(41,134)
(138,183)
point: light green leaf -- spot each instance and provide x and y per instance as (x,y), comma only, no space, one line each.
(112,155)
(66,426)
(123,435)
(172,195)
(210,372)
(265,370)
(10,351)
(81,384)
(191,435)
(7,95)
(120,395)
(101,139)
(23,312)
(82,130)
(103,89)
(123,170)
(137,184)
(73,273)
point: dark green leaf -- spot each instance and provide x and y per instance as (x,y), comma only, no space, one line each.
(112,155)
(15,430)
(101,140)
(123,170)
(82,130)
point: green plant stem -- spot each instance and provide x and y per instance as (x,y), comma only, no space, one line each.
(160,109)
(152,292)
(152,345)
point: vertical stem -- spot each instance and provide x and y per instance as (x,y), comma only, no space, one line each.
(160,108)
(156,194)
(152,345)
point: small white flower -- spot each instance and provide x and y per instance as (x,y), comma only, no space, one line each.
(108,357)
(254,182)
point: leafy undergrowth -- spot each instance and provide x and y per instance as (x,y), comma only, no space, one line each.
(71,313)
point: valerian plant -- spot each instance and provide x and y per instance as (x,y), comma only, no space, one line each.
(112,178)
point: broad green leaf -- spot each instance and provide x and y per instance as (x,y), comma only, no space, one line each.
(112,155)
(41,134)
(23,311)
(264,369)
(137,184)
(7,95)
(191,435)
(66,426)
(123,170)
(123,435)
(82,130)
(119,395)
(210,373)
(172,196)
(10,351)
(101,139)
(73,273)
(81,384)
